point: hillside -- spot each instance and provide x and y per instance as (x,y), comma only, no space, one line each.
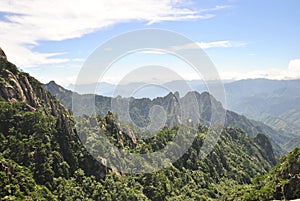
(274,102)
(281,183)
(43,159)
(139,111)
(37,132)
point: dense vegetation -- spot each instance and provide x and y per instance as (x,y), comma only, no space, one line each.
(27,141)
(139,111)
(282,182)
(42,158)
(35,171)
(276,103)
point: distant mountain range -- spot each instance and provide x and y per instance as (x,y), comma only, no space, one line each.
(140,89)
(273,102)
(276,103)
(139,111)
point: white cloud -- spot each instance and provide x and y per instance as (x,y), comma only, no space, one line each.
(292,72)
(224,44)
(152,51)
(215,44)
(294,65)
(207,45)
(196,45)
(28,22)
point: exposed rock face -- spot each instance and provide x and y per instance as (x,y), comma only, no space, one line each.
(20,87)
(172,104)
(2,54)
(267,149)
(123,134)
(16,86)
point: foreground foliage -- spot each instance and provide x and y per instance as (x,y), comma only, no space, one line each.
(38,169)
(281,183)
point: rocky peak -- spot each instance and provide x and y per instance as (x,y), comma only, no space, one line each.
(57,90)
(2,54)
(16,86)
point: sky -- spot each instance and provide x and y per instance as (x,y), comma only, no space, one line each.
(51,39)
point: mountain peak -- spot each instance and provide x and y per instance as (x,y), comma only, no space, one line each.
(2,54)
(52,82)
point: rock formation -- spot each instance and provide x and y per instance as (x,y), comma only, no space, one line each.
(2,54)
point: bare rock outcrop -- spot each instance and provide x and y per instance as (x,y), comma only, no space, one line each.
(2,54)
(17,86)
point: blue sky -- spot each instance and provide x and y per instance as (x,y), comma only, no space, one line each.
(244,38)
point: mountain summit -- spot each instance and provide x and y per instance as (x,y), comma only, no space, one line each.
(2,54)
(140,108)
(37,132)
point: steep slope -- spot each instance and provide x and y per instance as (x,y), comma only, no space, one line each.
(282,182)
(2,54)
(17,182)
(37,131)
(295,142)
(235,159)
(274,102)
(139,111)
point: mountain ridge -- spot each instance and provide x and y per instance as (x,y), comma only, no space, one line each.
(24,94)
(273,102)
(281,183)
(141,107)
(37,135)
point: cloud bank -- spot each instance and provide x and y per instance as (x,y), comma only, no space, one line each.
(291,72)
(207,45)
(24,24)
